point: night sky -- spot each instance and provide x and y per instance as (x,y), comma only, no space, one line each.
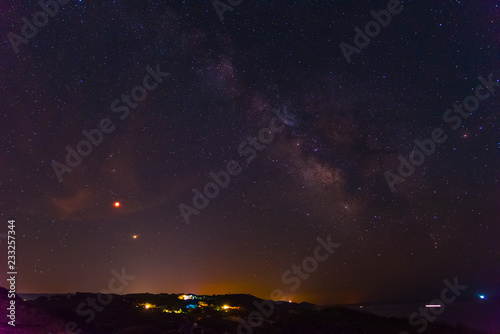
(218,84)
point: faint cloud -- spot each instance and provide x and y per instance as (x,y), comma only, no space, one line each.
(76,203)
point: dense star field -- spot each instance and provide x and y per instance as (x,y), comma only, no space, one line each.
(209,148)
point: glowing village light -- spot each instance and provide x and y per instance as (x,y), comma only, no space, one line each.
(433,306)
(186,297)
(147,306)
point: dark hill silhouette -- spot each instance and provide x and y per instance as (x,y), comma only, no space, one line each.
(30,318)
(127,314)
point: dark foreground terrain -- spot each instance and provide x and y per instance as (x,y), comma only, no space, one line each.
(171,313)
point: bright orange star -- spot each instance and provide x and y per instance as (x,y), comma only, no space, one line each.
(134,236)
(117,204)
